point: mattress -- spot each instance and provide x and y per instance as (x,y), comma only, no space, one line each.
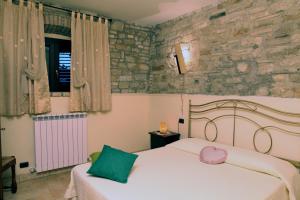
(174,172)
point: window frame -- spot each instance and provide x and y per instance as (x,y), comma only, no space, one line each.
(54,44)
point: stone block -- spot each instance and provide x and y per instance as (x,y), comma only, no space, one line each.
(125,78)
(131,65)
(265,68)
(290,63)
(129,42)
(242,67)
(241,31)
(280,6)
(115,78)
(295,77)
(112,41)
(259,14)
(295,38)
(284,30)
(143,67)
(114,84)
(121,36)
(294,49)
(121,46)
(125,90)
(258,40)
(123,84)
(262,91)
(111,32)
(115,55)
(276,51)
(116,72)
(281,90)
(262,31)
(115,90)
(281,77)
(279,41)
(141,85)
(130,59)
(140,77)
(117,26)
(297,92)
(157,67)
(292,13)
(234,80)
(268,21)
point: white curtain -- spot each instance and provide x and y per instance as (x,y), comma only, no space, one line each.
(23,71)
(90,75)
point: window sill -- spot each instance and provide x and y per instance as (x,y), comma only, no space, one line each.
(59,94)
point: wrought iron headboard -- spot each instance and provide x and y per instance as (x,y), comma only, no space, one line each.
(197,112)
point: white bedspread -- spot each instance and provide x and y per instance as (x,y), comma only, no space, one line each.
(174,172)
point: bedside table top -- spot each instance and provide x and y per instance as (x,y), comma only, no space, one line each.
(169,133)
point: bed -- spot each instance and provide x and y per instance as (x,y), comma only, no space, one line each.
(174,172)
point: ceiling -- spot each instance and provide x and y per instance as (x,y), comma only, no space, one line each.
(143,12)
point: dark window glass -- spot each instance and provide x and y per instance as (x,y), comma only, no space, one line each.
(58,58)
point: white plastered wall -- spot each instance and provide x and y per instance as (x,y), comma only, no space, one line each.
(168,108)
(126,126)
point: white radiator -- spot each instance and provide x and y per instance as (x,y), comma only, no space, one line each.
(60,140)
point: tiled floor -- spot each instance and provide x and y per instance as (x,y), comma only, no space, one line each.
(46,188)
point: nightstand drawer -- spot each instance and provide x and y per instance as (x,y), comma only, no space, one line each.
(159,140)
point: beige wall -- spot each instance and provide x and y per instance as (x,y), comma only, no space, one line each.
(167,108)
(126,127)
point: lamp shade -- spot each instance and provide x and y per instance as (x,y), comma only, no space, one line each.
(183,56)
(163,128)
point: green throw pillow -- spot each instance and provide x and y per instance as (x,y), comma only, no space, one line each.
(94,156)
(113,164)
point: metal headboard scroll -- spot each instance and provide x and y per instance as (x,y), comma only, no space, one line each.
(196,112)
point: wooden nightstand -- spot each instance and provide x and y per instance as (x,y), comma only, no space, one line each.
(160,140)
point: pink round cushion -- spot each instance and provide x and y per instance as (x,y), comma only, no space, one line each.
(213,155)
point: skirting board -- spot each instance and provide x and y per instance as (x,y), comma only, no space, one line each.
(27,177)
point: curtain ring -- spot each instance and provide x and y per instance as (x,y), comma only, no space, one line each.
(78,16)
(40,6)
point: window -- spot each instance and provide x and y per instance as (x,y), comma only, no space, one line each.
(58,58)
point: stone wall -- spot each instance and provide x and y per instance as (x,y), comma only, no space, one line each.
(129,48)
(239,47)
(129,53)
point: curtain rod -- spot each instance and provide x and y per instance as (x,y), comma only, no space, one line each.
(68,10)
